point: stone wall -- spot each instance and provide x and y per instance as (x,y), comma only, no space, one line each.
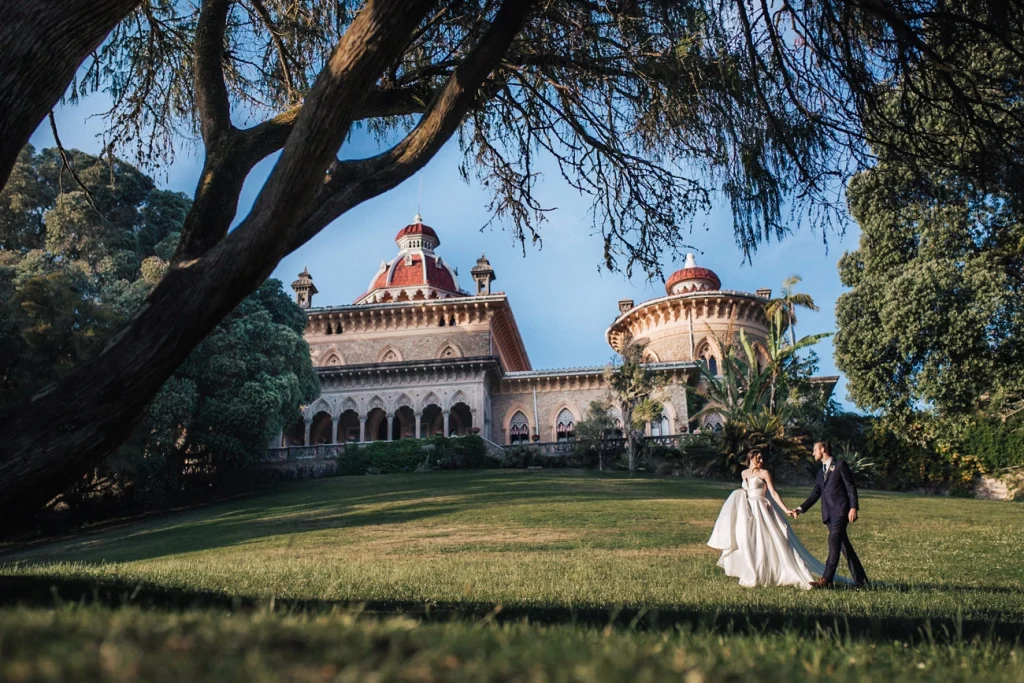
(672,342)
(419,344)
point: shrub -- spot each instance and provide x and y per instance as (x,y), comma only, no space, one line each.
(463,453)
(996,445)
(902,464)
(861,466)
(416,455)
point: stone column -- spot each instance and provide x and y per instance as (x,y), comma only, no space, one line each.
(472,419)
(445,413)
(362,429)
(309,423)
(390,418)
(280,439)
(419,418)
(334,430)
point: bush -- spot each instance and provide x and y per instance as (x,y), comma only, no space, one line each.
(996,445)
(861,466)
(519,457)
(902,465)
(523,457)
(411,455)
(590,455)
(463,453)
(661,459)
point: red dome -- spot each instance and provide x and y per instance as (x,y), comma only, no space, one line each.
(705,279)
(417,229)
(412,274)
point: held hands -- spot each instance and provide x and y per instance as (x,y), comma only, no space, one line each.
(853,515)
(793,513)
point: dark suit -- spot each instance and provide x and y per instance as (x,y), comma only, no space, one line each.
(838,495)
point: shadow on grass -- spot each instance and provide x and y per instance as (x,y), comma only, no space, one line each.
(348,502)
(47,592)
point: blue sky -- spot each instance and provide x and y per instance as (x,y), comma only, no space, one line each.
(562,301)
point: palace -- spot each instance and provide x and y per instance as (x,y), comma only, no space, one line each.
(416,355)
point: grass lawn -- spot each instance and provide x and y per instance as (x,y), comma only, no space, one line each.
(509,551)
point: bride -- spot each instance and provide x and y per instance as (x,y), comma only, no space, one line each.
(758,546)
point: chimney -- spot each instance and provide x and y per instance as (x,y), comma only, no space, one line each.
(625,305)
(765,293)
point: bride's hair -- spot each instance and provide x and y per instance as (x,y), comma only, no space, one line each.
(755,453)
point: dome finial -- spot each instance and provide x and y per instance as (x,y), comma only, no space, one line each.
(417,218)
(691,262)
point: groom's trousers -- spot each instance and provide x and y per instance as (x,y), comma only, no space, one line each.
(839,542)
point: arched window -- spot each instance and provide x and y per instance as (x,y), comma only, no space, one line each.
(329,330)
(519,429)
(705,354)
(451,322)
(659,427)
(565,426)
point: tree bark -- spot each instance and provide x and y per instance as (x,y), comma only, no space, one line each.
(42,44)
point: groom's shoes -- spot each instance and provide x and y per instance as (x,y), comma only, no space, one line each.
(822,583)
(861,585)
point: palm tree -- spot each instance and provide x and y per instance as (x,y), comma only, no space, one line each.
(739,394)
(788,302)
(779,353)
(743,394)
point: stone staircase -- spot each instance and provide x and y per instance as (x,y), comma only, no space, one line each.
(493,449)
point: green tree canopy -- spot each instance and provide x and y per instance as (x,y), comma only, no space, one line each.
(77,260)
(935,312)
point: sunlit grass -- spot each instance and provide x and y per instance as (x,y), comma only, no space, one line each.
(547,545)
(551,539)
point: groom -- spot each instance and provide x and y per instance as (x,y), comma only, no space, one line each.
(834,485)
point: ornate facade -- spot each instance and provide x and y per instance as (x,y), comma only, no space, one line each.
(416,355)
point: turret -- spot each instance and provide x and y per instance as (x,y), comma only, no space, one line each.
(304,289)
(484,275)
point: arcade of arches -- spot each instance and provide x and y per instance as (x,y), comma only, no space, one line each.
(379,425)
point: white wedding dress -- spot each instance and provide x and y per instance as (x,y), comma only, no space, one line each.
(758,546)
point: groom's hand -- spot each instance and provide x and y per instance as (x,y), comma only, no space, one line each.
(853,515)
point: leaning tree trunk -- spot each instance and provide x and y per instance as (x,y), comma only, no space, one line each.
(47,443)
(69,426)
(42,44)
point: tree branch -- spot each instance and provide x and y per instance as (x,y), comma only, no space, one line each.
(266,138)
(231,157)
(211,92)
(282,53)
(66,162)
(352,182)
(42,44)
